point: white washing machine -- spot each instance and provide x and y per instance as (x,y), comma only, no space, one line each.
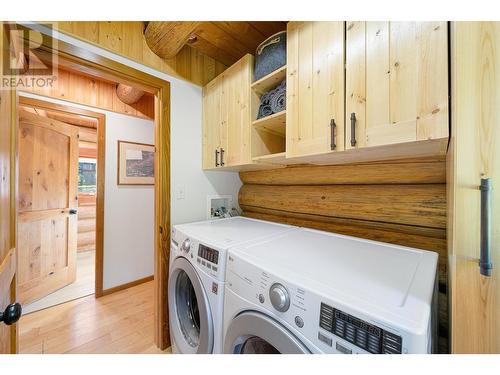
(309,291)
(197,274)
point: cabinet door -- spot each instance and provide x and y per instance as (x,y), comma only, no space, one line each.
(396,82)
(315,87)
(236,112)
(212,122)
(473,154)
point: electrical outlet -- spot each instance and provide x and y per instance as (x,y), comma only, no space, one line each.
(180,192)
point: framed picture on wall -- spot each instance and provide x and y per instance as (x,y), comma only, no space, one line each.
(135,163)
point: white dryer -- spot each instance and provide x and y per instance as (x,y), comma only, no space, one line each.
(309,291)
(196,278)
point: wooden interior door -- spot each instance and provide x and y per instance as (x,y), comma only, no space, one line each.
(396,82)
(237,83)
(315,87)
(47,220)
(212,122)
(474,154)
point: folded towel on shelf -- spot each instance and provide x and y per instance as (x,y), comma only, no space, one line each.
(264,110)
(278,100)
(273,101)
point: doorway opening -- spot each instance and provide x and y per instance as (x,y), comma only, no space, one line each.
(74,57)
(62,267)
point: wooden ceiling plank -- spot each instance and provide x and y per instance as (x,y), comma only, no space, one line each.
(244,32)
(210,50)
(222,40)
(166,38)
(269,28)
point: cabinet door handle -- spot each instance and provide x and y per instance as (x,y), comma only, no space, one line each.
(485,264)
(216,157)
(221,157)
(332,134)
(353,129)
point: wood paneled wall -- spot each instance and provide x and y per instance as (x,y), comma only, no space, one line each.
(127,39)
(400,202)
(87,90)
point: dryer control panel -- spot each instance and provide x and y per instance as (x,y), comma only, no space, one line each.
(358,332)
(323,323)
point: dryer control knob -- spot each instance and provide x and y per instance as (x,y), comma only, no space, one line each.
(280,299)
(186,245)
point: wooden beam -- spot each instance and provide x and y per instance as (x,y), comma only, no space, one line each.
(167,38)
(419,205)
(432,172)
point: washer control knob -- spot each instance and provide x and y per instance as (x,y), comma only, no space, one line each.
(280,299)
(186,245)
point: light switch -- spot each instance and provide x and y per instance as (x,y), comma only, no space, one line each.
(180,192)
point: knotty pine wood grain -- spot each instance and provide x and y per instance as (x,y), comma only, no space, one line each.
(189,64)
(90,91)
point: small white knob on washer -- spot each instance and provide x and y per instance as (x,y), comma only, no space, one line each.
(280,299)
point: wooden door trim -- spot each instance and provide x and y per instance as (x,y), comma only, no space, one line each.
(101,153)
(79,59)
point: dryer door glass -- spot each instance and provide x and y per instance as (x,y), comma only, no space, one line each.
(187,309)
(257,345)
(252,332)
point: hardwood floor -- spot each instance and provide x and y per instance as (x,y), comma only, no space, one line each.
(121,322)
(84,285)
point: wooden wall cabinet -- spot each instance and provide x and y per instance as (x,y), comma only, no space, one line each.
(315,88)
(227,117)
(213,123)
(396,82)
(473,155)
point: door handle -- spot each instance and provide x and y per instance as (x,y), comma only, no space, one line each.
(332,134)
(73,211)
(222,157)
(216,157)
(485,264)
(353,129)
(11,314)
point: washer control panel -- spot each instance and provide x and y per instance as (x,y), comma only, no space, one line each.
(207,258)
(208,254)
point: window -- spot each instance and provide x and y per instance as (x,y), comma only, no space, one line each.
(87,176)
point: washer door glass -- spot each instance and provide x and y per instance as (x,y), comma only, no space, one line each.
(187,309)
(191,323)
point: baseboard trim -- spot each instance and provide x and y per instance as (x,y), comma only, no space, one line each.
(117,288)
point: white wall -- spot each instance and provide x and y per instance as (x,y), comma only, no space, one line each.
(128,210)
(186,160)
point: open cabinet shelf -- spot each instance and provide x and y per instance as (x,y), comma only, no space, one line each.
(270,81)
(278,157)
(275,123)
